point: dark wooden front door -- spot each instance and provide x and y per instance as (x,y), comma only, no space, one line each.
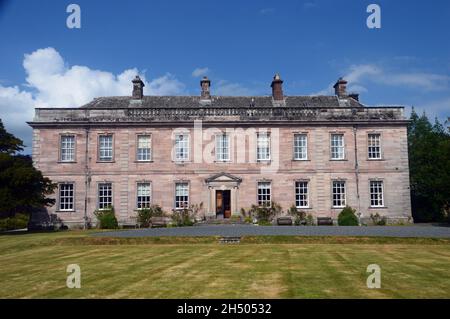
(223,203)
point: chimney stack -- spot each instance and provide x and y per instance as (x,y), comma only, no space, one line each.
(277,88)
(138,88)
(340,88)
(205,83)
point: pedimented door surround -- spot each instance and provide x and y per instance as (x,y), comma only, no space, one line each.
(222,181)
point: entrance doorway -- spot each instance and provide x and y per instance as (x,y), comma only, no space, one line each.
(223,203)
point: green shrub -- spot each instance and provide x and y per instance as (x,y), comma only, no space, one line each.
(299,216)
(266,212)
(19,221)
(310,220)
(264,223)
(144,215)
(106,218)
(186,216)
(347,217)
(378,220)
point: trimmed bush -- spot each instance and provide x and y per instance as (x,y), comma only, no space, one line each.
(19,221)
(106,218)
(378,220)
(299,215)
(310,220)
(347,217)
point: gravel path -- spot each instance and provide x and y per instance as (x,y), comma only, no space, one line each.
(250,230)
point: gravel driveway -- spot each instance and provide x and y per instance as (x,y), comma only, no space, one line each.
(251,230)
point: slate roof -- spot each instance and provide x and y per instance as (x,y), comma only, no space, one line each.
(219,101)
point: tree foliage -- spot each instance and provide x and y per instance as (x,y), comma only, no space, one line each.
(429,165)
(22,187)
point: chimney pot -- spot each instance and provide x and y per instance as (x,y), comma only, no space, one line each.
(277,88)
(138,88)
(340,88)
(205,83)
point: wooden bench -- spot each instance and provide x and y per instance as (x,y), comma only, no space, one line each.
(324,221)
(129,222)
(158,222)
(284,221)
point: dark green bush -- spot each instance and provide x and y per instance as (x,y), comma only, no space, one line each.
(19,221)
(378,220)
(347,217)
(187,215)
(144,215)
(106,218)
(310,220)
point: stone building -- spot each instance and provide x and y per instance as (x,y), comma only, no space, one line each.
(318,153)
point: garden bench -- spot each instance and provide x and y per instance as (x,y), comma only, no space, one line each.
(325,221)
(284,221)
(158,222)
(129,222)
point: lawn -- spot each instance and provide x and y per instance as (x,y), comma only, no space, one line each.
(34,266)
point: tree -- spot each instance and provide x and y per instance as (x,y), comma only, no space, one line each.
(22,187)
(429,164)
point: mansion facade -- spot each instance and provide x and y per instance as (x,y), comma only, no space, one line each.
(319,153)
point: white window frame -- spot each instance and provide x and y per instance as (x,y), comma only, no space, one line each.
(342,195)
(181,195)
(299,192)
(374,146)
(66,148)
(264,193)
(102,204)
(263,146)
(144,154)
(182,147)
(376,196)
(222,147)
(337,146)
(64,195)
(105,149)
(300,147)
(143,196)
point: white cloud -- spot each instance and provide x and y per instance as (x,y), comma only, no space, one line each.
(200,72)
(225,88)
(51,82)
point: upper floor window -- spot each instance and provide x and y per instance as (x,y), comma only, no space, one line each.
(144,148)
(264,196)
(67,148)
(66,197)
(143,195)
(300,147)
(339,193)
(301,194)
(263,147)
(181,195)
(337,146)
(105,147)
(374,146)
(222,147)
(105,198)
(181,147)
(376,194)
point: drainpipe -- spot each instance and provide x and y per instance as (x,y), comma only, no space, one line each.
(86,178)
(355,129)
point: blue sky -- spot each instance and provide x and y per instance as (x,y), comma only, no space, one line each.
(238,44)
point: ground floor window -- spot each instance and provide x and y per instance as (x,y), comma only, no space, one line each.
(376,194)
(143,195)
(338,193)
(66,197)
(181,195)
(104,195)
(264,193)
(301,194)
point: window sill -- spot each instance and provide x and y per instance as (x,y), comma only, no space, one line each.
(338,160)
(223,161)
(301,160)
(337,207)
(65,211)
(143,162)
(378,207)
(181,162)
(264,161)
(67,162)
(98,161)
(305,208)
(375,159)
